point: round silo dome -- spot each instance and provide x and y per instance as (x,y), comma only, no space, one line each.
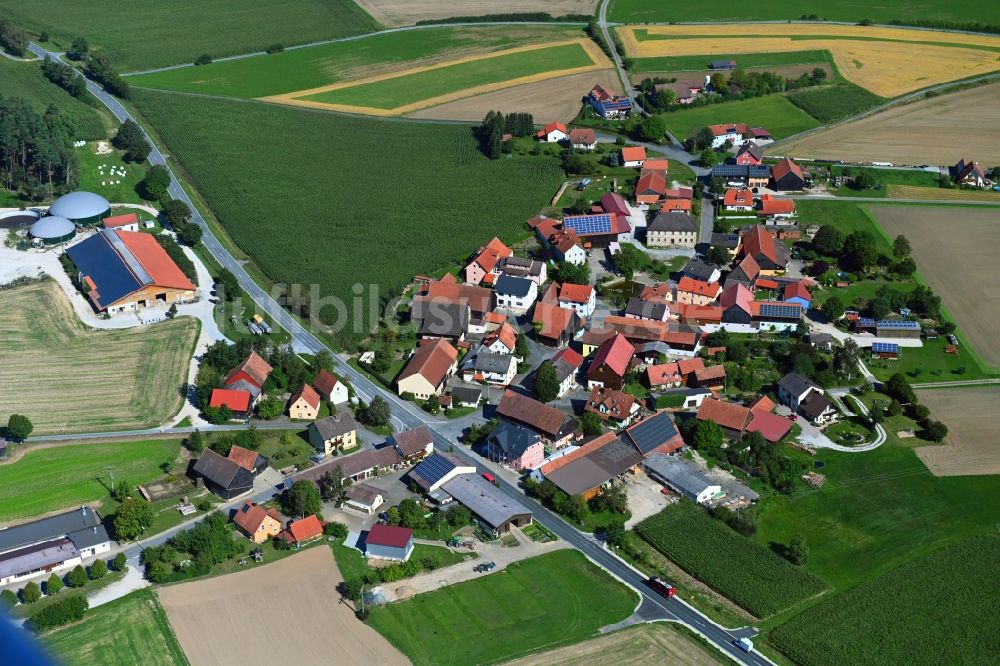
(81,207)
(53,229)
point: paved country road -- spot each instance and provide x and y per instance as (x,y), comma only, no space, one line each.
(407,415)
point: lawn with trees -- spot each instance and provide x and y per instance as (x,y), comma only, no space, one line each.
(435,627)
(213,137)
(772,112)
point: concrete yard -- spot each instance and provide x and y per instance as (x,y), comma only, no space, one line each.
(287,612)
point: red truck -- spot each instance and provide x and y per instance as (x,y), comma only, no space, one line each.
(662,587)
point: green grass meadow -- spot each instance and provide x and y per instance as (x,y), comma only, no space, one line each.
(772,112)
(147,33)
(128,631)
(536,604)
(25,79)
(315,66)
(403,90)
(938,608)
(65,477)
(316,198)
(91,180)
(679,11)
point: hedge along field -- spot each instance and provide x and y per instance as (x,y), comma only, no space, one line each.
(749,574)
(637,11)
(25,79)
(142,34)
(315,66)
(408,89)
(319,198)
(940,608)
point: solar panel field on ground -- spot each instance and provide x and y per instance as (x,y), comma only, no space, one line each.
(316,66)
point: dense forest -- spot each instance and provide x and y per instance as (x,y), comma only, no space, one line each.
(36,157)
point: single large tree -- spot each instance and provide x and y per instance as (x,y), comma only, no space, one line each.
(377,413)
(333,486)
(303,499)
(626,260)
(53,585)
(798,551)
(132,519)
(901,247)
(19,427)
(832,308)
(708,436)
(546,383)
(828,241)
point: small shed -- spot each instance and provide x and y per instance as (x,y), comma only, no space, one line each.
(885,350)
(389,542)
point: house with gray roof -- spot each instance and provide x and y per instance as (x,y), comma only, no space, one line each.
(491,368)
(51,544)
(441,320)
(334,432)
(515,294)
(515,445)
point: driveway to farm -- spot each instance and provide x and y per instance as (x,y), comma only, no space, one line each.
(502,556)
(652,607)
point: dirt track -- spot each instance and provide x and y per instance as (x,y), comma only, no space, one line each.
(955,251)
(394,13)
(555,99)
(937,131)
(288,612)
(645,644)
(973,419)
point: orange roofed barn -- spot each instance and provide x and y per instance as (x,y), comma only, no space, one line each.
(121,271)
(302,531)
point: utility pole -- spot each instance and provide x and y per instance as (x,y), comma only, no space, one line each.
(111,473)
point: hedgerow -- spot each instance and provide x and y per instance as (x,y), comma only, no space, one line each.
(749,574)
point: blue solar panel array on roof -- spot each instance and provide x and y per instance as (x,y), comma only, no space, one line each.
(585,225)
(866,322)
(654,431)
(899,324)
(126,254)
(97,260)
(775,310)
(885,347)
(433,469)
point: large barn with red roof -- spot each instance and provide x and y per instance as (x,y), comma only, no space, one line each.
(121,271)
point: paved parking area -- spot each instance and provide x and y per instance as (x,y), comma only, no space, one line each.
(645,498)
(393,490)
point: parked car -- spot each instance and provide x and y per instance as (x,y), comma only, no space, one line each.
(317,457)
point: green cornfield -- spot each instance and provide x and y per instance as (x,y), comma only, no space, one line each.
(338,201)
(831,103)
(938,609)
(741,570)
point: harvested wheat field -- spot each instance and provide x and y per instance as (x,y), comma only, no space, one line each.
(394,13)
(660,643)
(940,193)
(972,415)
(940,130)
(887,61)
(955,251)
(555,99)
(67,377)
(286,612)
